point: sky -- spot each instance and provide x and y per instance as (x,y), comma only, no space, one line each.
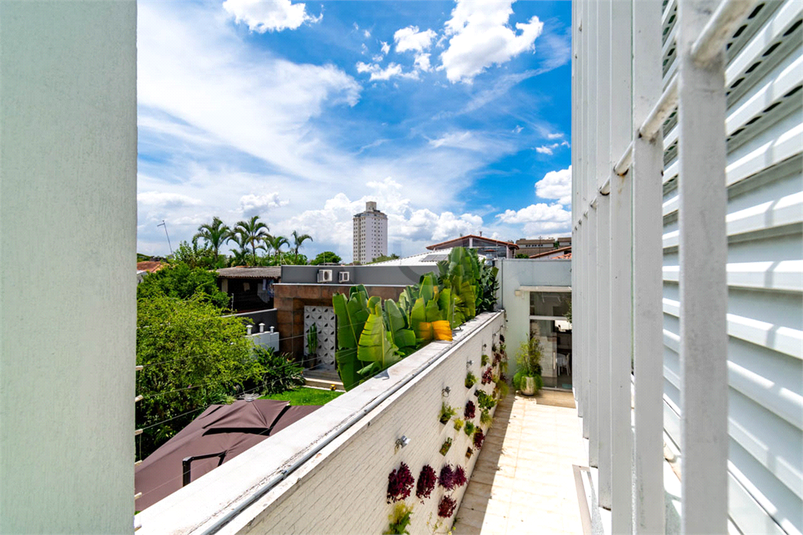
(453,116)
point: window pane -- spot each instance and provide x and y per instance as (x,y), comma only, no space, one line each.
(549,303)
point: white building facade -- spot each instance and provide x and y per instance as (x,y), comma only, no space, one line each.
(688,261)
(370,234)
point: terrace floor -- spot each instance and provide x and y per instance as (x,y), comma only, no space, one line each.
(523,481)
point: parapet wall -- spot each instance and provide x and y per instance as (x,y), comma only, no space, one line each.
(342,488)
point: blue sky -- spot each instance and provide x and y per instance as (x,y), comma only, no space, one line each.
(454,116)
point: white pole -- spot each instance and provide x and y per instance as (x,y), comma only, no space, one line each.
(601,170)
(647,274)
(703,291)
(620,303)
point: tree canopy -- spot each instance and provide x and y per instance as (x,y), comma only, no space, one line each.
(191,357)
(326,257)
(180,281)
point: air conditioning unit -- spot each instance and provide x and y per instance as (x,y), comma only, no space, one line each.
(324,275)
(343,276)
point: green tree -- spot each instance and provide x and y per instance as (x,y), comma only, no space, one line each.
(275,243)
(239,255)
(180,281)
(384,258)
(326,257)
(254,233)
(193,255)
(522,255)
(214,235)
(298,239)
(191,357)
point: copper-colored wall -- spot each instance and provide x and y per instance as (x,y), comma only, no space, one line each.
(290,300)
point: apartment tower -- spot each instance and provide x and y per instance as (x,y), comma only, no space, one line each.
(370,234)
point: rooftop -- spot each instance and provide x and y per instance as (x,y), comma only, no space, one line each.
(242,272)
(474,237)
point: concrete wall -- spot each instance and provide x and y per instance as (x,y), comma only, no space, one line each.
(515,273)
(373,275)
(68,151)
(342,489)
(292,298)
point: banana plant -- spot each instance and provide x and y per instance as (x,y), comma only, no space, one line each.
(427,312)
(402,336)
(376,347)
(352,314)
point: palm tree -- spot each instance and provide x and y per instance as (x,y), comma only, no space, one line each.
(298,239)
(239,255)
(214,235)
(254,232)
(276,243)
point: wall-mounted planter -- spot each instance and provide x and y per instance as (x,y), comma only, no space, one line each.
(446,445)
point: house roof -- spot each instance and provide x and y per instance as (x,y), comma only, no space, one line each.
(242,272)
(567,256)
(149,265)
(461,238)
(417,259)
(562,250)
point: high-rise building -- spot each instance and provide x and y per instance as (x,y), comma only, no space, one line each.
(370,234)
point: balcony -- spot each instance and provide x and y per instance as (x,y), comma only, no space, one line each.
(328,473)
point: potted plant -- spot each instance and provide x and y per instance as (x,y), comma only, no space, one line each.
(312,342)
(528,377)
(447,412)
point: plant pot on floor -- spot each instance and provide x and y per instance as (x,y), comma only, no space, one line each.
(528,386)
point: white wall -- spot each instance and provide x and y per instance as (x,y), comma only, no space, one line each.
(68,149)
(342,489)
(518,272)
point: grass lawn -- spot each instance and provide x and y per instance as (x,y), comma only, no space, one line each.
(305,396)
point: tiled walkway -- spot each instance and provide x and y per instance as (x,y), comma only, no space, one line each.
(523,481)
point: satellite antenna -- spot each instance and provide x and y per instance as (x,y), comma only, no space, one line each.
(163,224)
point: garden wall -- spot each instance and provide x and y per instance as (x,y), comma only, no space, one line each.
(342,488)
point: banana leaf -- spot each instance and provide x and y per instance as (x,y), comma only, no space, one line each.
(351,316)
(422,328)
(402,337)
(428,287)
(375,344)
(446,305)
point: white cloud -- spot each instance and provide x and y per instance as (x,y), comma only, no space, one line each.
(452,139)
(259,204)
(518,129)
(540,218)
(556,135)
(481,37)
(422,62)
(556,185)
(385,47)
(410,38)
(378,73)
(414,227)
(269,15)
(363,49)
(550,149)
(366,33)
(165,199)
(378,58)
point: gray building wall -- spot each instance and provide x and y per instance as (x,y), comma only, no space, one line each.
(515,274)
(368,275)
(68,158)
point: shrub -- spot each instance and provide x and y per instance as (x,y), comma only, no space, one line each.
(487,376)
(459,476)
(479,438)
(458,424)
(529,357)
(183,282)
(447,478)
(426,482)
(469,429)
(447,411)
(471,380)
(400,484)
(485,417)
(446,507)
(278,372)
(485,401)
(470,410)
(399,519)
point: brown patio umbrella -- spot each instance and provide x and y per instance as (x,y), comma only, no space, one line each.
(218,435)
